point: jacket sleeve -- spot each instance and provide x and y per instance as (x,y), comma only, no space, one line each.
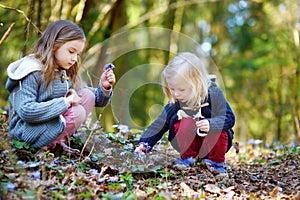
(156,130)
(221,117)
(101,99)
(26,105)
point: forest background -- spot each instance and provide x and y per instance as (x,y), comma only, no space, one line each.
(252,47)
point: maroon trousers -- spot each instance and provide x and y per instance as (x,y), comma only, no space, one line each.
(212,146)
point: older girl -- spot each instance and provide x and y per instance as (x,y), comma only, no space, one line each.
(198,117)
(47,100)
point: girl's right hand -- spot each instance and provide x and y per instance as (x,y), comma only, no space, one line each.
(73,97)
(108,79)
(203,125)
(140,151)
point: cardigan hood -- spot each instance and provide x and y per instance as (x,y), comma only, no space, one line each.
(21,68)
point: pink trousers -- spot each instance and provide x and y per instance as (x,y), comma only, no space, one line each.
(75,116)
(212,146)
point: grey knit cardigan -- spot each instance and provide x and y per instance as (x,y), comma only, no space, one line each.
(35,111)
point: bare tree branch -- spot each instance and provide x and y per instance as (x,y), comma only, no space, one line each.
(80,9)
(21,12)
(97,24)
(6,34)
(161,10)
(56,7)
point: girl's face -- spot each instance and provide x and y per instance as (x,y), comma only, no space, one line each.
(67,55)
(179,88)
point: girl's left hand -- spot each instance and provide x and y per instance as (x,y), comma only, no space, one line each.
(108,79)
(203,125)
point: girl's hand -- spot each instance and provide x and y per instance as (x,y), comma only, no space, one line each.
(140,151)
(73,97)
(108,79)
(203,125)
(141,148)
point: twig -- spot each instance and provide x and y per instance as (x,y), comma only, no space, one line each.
(21,12)
(103,169)
(92,149)
(196,107)
(85,144)
(87,140)
(90,79)
(161,10)
(6,34)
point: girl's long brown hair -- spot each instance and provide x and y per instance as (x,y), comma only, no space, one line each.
(57,34)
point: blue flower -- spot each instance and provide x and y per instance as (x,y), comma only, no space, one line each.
(36,174)
(11,187)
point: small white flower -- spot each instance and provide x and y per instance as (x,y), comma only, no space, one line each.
(122,128)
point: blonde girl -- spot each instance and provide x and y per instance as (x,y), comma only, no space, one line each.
(198,117)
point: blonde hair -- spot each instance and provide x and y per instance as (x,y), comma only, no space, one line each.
(57,34)
(190,68)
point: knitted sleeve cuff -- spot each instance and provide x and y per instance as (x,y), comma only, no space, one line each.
(67,102)
(63,120)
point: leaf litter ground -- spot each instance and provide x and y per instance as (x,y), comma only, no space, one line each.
(108,169)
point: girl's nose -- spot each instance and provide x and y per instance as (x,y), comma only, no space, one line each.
(75,58)
(175,94)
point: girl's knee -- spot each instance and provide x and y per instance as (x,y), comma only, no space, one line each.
(88,99)
(79,115)
(87,94)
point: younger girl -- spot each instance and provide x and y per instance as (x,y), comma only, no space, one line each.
(47,101)
(198,117)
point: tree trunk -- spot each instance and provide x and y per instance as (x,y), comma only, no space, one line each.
(280,103)
(118,18)
(39,15)
(28,32)
(169,24)
(55,8)
(66,9)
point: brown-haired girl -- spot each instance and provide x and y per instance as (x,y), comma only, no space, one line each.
(47,100)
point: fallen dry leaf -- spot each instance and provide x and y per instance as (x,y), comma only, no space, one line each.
(274,192)
(212,188)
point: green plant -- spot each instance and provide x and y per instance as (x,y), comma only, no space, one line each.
(165,173)
(114,186)
(137,168)
(129,195)
(83,167)
(151,190)
(58,196)
(109,195)
(5,183)
(159,197)
(182,173)
(3,188)
(56,168)
(21,145)
(27,194)
(128,180)
(85,195)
